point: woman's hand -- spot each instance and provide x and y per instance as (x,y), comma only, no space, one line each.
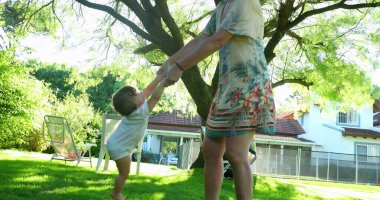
(164,68)
(160,74)
(173,75)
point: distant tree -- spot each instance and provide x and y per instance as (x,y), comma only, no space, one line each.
(100,94)
(25,100)
(59,78)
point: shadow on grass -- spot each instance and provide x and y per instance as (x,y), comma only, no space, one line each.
(31,179)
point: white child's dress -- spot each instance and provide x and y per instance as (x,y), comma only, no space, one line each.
(129,133)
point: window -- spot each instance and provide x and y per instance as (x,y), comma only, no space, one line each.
(368,152)
(351,117)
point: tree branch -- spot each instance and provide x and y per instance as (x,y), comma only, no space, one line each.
(146,49)
(136,8)
(199,18)
(35,12)
(284,25)
(119,17)
(147,4)
(339,5)
(169,21)
(295,36)
(298,81)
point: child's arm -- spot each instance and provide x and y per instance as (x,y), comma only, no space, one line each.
(157,93)
(150,88)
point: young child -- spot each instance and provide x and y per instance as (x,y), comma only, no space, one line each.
(133,106)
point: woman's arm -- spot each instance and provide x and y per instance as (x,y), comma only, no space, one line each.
(206,48)
(184,51)
(189,48)
(185,60)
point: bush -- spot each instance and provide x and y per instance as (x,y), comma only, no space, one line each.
(23,103)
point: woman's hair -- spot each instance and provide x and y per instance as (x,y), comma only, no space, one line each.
(124,100)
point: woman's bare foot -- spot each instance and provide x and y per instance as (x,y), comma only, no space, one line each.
(117,196)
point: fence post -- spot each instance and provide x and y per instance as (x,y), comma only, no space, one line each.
(269,161)
(299,163)
(296,164)
(377,170)
(328,165)
(356,168)
(276,164)
(337,169)
(191,149)
(317,167)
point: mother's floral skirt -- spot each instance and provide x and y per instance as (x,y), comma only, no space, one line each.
(240,108)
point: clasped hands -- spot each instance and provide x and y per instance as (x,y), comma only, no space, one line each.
(170,72)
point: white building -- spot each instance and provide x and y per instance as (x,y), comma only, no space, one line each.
(348,132)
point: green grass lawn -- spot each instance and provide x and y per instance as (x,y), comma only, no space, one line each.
(25,177)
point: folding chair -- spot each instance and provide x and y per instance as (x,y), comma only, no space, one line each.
(57,132)
(110,123)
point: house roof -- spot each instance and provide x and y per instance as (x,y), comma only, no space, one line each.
(175,117)
(289,127)
(281,137)
(361,132)
(176,121)
(376,119)
(285,115)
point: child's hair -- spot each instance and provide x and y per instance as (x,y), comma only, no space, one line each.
(124,101)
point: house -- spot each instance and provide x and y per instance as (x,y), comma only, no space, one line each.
(170,132)
(350,132)
(324,145)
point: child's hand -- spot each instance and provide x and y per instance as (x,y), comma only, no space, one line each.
(173,75)
(164,68)
(161,73)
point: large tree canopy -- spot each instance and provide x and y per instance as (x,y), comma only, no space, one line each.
(313,33)
(320,44)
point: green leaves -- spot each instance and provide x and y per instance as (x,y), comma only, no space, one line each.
(333,55)
(23,103)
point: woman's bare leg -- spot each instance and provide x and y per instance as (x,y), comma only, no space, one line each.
(236,153)
(213,150)
(123,165)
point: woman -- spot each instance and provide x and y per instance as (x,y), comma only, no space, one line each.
(243,102)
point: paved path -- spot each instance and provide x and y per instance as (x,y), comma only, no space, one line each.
(329,192)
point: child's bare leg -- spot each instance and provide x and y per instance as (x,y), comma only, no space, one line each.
(236,152)
(123,165)
(213,150)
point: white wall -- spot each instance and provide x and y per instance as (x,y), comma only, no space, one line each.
(320,127)
(153,143)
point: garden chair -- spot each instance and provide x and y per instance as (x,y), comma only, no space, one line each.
(162,159)
(171,159)
(109,125)
(57,132)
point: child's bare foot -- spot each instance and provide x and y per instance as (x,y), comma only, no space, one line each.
(117,196)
